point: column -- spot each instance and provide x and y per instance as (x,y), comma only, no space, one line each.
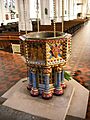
(58,88)
(85,8)
(62,16)
(24,15)
(71,9)
(29,80)
(21,15)
(46,82)
(68,9)
(62,10)
(28,20)
(59,14)
(47,94)
(58,17)
(45,12)
(75,9)
(34,91)
(63,84)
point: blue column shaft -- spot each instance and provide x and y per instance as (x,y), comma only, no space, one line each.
(34,80)
(30,77)
(55,78)
(46,82)
(58,79)
(62,75)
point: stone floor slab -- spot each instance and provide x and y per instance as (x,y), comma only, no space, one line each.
(78,106)
(55,108)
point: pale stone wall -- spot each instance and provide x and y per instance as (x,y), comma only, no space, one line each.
(45,12)
(71,9)
(82,8)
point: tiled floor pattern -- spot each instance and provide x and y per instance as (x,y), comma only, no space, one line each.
(13,68)
(80,57)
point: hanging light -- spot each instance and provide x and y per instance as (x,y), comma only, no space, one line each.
(54,10)
(62,16)
(37,15)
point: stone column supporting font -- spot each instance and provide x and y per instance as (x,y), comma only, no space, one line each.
(34,91)
(47,94)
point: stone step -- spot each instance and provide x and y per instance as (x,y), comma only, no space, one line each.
(78,106)
(18,97)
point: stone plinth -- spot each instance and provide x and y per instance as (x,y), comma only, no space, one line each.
(55,108)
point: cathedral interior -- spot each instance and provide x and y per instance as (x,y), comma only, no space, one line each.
(42,39)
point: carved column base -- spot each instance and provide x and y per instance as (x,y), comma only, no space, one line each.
(47,95)
(29,87)
(58,91)
(34,92)
(63,85)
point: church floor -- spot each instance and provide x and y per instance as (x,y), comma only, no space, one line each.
(80,57)
(13,68)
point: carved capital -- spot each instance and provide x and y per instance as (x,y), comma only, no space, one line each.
(47,70)
(33,70)
(62,64)
(58,69)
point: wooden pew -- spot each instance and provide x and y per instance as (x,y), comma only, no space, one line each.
(7,39)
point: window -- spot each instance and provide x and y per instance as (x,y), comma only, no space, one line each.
(9,4)
(7,17)
(88,7)
(12,16)
(17,16)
